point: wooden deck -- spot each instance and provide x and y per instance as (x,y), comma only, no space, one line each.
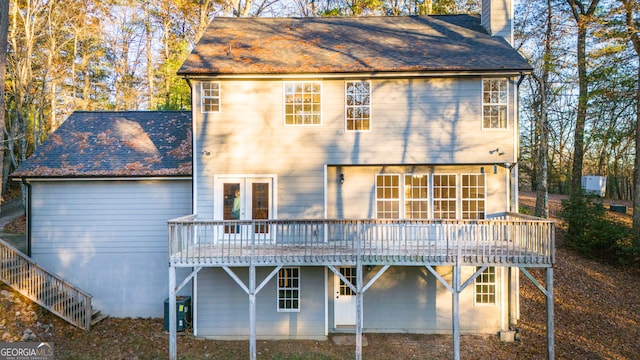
(508,240)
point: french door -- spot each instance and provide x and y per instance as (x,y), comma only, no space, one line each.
(245,198)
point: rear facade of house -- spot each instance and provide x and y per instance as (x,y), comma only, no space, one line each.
(355,175)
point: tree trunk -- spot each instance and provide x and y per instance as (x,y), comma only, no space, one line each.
(632,32)
(4,33)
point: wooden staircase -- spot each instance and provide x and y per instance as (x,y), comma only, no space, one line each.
(46,289)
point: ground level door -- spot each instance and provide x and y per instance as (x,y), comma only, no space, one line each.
(345,299)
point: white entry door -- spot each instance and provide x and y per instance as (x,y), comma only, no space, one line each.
(245,199)
(344,305)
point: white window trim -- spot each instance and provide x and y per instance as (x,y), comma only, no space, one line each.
(400,194)
(202,97)
(484,186)
(405,199)
(432,199)
(506,104)
(278,288)
(284,101)
(346,107)
(495,288)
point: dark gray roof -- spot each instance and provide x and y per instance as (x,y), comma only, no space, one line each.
(114,144)
(322,45)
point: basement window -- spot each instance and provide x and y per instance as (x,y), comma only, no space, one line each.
(289,289)
(485,287)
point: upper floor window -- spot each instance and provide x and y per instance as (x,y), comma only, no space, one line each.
(485,286)
(358,105)
(473,196)
(494,103)
(210,96)
(302,103)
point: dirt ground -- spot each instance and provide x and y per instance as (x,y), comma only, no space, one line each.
(597,316)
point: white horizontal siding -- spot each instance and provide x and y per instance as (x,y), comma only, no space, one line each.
(109,238)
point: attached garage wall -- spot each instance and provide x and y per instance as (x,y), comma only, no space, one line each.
(109,238)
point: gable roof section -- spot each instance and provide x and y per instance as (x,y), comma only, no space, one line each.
(323,45)
(114,144)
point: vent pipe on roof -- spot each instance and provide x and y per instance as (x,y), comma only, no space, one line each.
(497,18)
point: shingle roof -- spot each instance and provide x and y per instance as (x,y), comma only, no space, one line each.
(447,43)
(108,144)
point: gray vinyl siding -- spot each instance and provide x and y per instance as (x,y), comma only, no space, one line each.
(411,299)
(109,238)
(414,121)
(223,307)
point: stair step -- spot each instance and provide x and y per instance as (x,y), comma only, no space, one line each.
(97,316)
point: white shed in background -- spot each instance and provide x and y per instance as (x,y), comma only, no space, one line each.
(595,185)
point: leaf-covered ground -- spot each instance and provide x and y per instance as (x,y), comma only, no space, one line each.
(597,316)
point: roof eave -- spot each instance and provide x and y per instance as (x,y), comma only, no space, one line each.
(372,74)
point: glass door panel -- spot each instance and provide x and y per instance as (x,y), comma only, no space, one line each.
(260,205)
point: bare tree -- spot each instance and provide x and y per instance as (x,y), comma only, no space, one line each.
(632,10)
(4,31)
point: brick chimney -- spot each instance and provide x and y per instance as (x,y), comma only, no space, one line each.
(497,18)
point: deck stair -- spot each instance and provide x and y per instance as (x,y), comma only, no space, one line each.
(46,289)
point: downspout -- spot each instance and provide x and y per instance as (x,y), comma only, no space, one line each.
(27,209)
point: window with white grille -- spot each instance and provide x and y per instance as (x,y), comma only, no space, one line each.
(289,289)
(444,196)
(494,103)
(473,196)
(388,196)
(210,96)
(358,105)
(485,287)
(302,103)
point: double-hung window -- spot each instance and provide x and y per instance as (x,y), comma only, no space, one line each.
(289,289)
(388,196)
(210,96)
(473,196)
(485,287)
(358,105)
(416,196)
(444,196)
(494,103)
(302,103)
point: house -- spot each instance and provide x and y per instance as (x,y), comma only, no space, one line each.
(100,190)
(355,175)
(347,175)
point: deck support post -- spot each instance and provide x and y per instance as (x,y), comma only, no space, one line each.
(173,346)
(455,311)
(359,310)
(550,316)
(252,312)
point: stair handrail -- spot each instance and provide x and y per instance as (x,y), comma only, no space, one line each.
(75,304)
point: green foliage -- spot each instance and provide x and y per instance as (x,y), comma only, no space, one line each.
(595,236)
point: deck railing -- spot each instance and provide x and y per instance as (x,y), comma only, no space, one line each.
(46,289)
(509,239)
